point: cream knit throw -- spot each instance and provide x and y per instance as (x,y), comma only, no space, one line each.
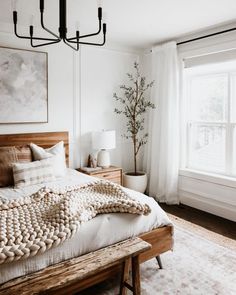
(32,225)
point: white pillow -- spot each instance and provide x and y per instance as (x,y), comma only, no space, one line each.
(26,174)
(57,153)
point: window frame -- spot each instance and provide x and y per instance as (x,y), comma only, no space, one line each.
(230,126)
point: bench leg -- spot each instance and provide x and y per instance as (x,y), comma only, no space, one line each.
(125,276)
(136,276)
(136,287)
(158,258)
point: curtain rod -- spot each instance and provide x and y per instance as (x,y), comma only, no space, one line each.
(207,36)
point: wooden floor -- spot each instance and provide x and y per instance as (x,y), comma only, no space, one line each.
(209,221)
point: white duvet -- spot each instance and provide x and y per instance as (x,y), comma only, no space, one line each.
(103,230)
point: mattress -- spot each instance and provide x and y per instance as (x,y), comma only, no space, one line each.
(103,230)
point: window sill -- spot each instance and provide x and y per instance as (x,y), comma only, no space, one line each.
(209,177)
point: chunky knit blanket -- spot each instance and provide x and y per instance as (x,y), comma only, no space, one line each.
(34,224)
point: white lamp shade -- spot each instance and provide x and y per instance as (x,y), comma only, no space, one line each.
(104,140)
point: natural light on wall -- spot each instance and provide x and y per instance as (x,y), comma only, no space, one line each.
(210,117)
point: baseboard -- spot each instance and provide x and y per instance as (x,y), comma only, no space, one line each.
(208,205)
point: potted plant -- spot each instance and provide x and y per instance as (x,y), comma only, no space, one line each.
(133,106)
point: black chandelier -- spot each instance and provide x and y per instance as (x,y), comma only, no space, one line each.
(62,30)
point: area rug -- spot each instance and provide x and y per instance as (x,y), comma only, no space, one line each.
(201,264)
(205,233)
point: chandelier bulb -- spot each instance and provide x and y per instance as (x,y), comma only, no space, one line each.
(104,17)
(14,4)
(77,26)
(32,20)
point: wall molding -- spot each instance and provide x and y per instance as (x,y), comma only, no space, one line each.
(76,109)
(209,205)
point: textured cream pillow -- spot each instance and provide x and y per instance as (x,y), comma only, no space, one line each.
(57,153)
(26,174)
(7,157)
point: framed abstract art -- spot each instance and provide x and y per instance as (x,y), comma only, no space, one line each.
(23,86)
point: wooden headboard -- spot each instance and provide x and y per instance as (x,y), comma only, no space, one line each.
(45,140)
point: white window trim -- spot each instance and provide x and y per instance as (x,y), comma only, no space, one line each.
(209,177)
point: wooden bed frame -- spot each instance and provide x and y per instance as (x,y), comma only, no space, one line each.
(161,238)
(45,140)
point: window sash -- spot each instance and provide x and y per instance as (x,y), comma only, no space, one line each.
(228,124)
(189,82)
(229,145)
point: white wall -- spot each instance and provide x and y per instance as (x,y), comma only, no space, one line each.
(102,71)
(80,89)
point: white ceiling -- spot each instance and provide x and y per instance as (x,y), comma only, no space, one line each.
(134,23)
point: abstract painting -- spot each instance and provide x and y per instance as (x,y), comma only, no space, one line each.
(23,86)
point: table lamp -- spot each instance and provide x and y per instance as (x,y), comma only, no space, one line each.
(103,141)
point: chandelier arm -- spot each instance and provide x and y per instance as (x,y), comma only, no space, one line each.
(28,38)
(43,44)
(31,31)
(91,43)
(88,35)
(74,42)
(46,29)
(25,37)
(95,44)
(68,44)
(104,28)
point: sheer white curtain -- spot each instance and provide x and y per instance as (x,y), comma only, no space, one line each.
(163,146)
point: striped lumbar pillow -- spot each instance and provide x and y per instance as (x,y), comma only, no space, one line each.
(26,174)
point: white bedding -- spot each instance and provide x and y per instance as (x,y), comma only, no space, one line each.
(103,230)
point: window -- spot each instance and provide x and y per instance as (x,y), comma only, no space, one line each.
(210,118)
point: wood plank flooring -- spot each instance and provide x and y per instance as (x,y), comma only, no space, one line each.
(209,221)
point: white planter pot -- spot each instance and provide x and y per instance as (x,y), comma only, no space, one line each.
(135,182)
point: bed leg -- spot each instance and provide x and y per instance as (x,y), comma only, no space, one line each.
(158,258)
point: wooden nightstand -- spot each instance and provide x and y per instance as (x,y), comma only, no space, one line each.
(112,173)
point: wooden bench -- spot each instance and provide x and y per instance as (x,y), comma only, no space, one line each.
(76,274)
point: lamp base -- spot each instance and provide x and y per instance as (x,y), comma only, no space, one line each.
(104,159)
